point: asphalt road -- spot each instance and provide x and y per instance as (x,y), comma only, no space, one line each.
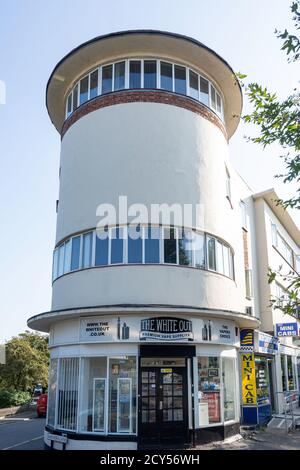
(22,432)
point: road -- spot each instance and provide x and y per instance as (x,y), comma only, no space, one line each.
(22,432)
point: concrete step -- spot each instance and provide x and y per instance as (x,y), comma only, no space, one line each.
(281,423)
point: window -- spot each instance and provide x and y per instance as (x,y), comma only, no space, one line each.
(61,253)
(291,373)
(211,253)
(150,74)
(209,390)
(248,282)
(87,250)
(75,253)
(243,214)
(283,372)
(219,257)
(94,84)
(170,252)
(194,85)
(75,97)
(226,260)
(229,389)
(166,76)
(152,242)
(107,79)
(55,264)
(69,105)
(297,263)
(68,393)
(285,250)
(135,74)
(180,79)
(212,97)
(135,245)
(282,297)
(199,248)
(116,246)
(219,105)
(185,248)
(67,258)
(102,239)
(274,234)
(204,97)
(122,395)
(84,90)
(93,394)
(228,185)
(119,82)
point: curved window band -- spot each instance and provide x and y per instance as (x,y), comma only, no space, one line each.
(144,74)
(143,245)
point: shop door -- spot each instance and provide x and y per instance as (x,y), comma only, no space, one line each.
(163,406)
(271,382)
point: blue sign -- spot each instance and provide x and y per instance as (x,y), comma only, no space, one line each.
(267,344)
(286,329)
(247,340)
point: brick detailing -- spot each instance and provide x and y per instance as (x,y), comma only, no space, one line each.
(135,96)
(246,251)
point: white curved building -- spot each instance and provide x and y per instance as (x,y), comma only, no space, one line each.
(144,330)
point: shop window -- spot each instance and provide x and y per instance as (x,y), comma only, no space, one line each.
(93,400)
(135,245)
(107,79)
(152,241)
(194,85)
(94,84)
(229,389)
(209,390)
(68,393)
(262,381)
(283,372)
(119,82)
(149,73)
(102,239)
(122,395)
(170,252)
(52,388)
(180,79)
(166,76)
(135,74)
(291,373)
(84,90)
(75,253)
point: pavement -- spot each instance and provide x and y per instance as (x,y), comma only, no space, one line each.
(23,431)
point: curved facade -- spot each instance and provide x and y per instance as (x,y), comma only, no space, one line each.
(137,321)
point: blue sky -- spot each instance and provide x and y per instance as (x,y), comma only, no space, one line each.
(34,36)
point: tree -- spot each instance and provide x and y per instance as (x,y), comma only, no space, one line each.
(279,122)
(27,361)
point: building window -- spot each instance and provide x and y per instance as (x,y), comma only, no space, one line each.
(229,389)
(101,256)
(87,250)
(166,76)
(55,264)
(285,250)
(209,390)
(152,244)
(69,105)
(75,97)
(67,257)
(135,76)
(117,245)
(75,257)
(180,79)
(94,84)
(68,393)
(248,283)
(150,74)
(199,250)
(185,248)
(283,372)
(170,245)
(228,185)
(243,215)
(213,97)
(194,85)
(61,253)
(122,395)
(135,245)
(119,81)
(291,373)
(84,90)
(211,253)
(204,94)
(107,79)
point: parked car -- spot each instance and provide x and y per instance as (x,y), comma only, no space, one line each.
(41,406)
(38,390)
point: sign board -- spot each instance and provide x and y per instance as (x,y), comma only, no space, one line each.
(265,344)
(57,438)
(247,340)
(248,379)
(286,329)
(123,328)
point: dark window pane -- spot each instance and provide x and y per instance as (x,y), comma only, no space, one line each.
(107,79)
(94,84)
(169,246)
(211,247)
(199,250)
(194,86)
(166,82)
(119,76)
(219,106)
(84,88)
(101,248)
(152,236)
(149,74)
(185,247)
(204,91)
(213,97)
(180,79)
(135,245)
(75,253)
(75,97)
(135,74)
(117,246)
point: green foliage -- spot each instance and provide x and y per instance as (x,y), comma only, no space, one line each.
(27,361)
(291,43)
(13,398)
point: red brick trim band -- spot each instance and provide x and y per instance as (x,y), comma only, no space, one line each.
(135,96)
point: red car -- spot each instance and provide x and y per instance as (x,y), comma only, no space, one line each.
(41,407)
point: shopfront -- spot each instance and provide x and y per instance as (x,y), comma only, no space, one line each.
(145,382)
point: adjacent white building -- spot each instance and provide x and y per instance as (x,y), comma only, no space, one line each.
(145,318)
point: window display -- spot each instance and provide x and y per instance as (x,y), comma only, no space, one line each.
(262,381)
(229,389)
(209,390)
